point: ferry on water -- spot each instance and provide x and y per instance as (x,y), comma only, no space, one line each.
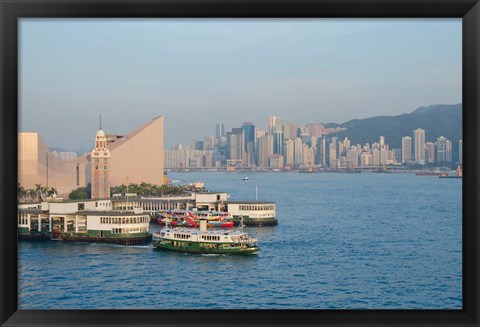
(185,218)
(205,242)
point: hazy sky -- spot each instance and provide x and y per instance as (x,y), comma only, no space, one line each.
(197,72)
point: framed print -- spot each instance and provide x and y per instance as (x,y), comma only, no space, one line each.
(240,163)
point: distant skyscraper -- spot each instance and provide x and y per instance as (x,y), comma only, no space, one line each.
(346,145)
(441,145)
(332,152)
(366,159)
(248,133)
(265,150)
(352,157)
(208,143)
(277,142)
(198,145)
(298,151)
(293,131)
(271,124)
(397,155)
(382,141)
(419,143)
(448,151)
(429,152)
(376,157)
(289,152)
(249,141)
(307,155)
(321,155)
(332,156)
(406,149)
(284,125)
(259,133)
(235,144)
(219,130)
(383,155)
(287,129)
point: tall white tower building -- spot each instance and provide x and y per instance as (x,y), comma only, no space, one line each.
(406,149)
(419,143)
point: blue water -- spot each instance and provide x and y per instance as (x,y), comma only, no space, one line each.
(346,241)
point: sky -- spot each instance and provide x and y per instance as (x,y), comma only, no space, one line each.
(197,72)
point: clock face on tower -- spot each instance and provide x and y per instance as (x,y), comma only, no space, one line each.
(96,167)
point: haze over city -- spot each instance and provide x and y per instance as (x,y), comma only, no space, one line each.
(199,72)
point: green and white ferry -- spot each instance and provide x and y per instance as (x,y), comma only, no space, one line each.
(206,242)
(253,213)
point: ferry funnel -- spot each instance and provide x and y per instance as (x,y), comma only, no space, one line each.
(203,225)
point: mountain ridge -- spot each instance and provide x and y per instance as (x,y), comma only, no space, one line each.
(437,120)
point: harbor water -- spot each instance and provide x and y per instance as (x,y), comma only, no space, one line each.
(344,241)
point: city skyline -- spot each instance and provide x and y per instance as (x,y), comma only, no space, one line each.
(199,72)
(286,146)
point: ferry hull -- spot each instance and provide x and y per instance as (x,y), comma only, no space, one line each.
(256,222)
(197,248)
(111,240)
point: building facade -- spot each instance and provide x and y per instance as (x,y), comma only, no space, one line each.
(138,155)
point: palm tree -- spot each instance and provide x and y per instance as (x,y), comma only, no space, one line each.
(31,193)
(19,189)
(38,190)
(147,188)
(51,191)
(155,190)
(142,188)
(134,188)
(21,192)
(43,191)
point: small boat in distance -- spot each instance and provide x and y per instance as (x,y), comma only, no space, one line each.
(459,174)
(245,178)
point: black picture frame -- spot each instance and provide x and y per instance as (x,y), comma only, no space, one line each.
(12,10)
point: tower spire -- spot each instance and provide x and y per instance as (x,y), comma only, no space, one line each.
(100,121)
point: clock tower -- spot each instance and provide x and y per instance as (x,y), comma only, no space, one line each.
(100,167)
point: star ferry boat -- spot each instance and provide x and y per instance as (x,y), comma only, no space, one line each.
(203,241)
